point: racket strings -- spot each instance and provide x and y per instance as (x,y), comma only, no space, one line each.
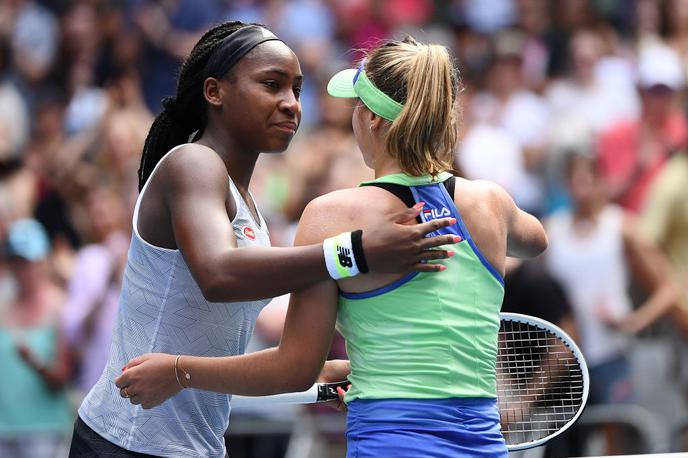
(539,382)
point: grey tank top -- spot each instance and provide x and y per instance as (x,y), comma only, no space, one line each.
(162,309)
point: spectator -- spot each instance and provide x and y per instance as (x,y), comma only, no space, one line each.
(675,21)
(665,216)
(592,92)
(36,416)
(524,115)
(632,153)
(665,222)
(14,114)
(170,30)
(590,247)
(93,291)
(34,32)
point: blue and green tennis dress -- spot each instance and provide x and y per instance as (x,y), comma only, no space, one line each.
(423,349)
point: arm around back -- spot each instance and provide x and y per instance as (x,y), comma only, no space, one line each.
(292,366)
(196,200)
(195,193)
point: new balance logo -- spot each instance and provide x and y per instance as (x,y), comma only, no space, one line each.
(434,213)
(344,256)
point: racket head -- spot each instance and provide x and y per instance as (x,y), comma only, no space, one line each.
(542,381)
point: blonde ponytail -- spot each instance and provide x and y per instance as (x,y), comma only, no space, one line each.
(421,77)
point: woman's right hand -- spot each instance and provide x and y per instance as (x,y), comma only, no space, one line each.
(149,379)
(400,245)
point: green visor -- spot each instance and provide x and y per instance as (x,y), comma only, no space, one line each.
(351,83)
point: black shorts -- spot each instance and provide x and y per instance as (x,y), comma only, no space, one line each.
(86,443)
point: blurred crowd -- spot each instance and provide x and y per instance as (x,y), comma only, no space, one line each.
(577,108)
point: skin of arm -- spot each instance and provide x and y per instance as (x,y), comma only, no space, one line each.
(650,267)
(56,375)
(526,236)
(497,225)
(292,366)
(196,200)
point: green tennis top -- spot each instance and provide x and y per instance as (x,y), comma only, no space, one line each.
(427,335)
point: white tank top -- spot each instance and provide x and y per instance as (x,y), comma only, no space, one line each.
(592,269)
(162,309)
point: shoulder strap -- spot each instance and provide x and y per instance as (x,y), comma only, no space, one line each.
(402,192)
(405,194)
(450,184)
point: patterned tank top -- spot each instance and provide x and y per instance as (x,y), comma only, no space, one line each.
(162,309)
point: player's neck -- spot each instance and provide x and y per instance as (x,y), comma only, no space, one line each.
(238,161)
(385,165)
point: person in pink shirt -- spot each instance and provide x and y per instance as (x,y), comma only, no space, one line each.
(632,153)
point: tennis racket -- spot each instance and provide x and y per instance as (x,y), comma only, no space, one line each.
(542,382)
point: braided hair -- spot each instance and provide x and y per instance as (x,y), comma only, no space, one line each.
(185,113)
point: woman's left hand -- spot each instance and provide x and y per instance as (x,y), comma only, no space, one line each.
(336,370)
(148,379)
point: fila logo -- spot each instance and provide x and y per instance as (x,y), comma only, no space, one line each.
(435,213)
(248,233)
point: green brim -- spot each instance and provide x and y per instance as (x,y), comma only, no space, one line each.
(342,84)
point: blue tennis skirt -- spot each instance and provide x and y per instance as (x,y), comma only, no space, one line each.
(420,428)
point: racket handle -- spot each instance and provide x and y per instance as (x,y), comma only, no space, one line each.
(320,392)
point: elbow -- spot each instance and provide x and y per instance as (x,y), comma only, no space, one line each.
(538,245)
(303,373)
(217,287)
(301,384)
(528,248)
(212,293)
(543,244)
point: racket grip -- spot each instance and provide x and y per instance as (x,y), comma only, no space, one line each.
(302,397)
(320,392)
(328,391)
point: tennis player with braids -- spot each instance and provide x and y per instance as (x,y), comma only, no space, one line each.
(422,347)
(199,266)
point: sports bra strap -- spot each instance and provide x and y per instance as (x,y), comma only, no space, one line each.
(404,192)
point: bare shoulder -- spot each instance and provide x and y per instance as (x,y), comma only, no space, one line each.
(350,202)
(345,210)
(194,159)
(486,192)
(484,188)
(196,167)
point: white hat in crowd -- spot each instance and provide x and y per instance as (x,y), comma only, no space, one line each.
(660,65)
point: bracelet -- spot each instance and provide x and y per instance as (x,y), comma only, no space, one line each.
(339,256)
(187,376)
(357,247)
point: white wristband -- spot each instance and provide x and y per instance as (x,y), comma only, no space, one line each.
(339,256)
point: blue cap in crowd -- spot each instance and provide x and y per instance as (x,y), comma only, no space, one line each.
(27,239)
